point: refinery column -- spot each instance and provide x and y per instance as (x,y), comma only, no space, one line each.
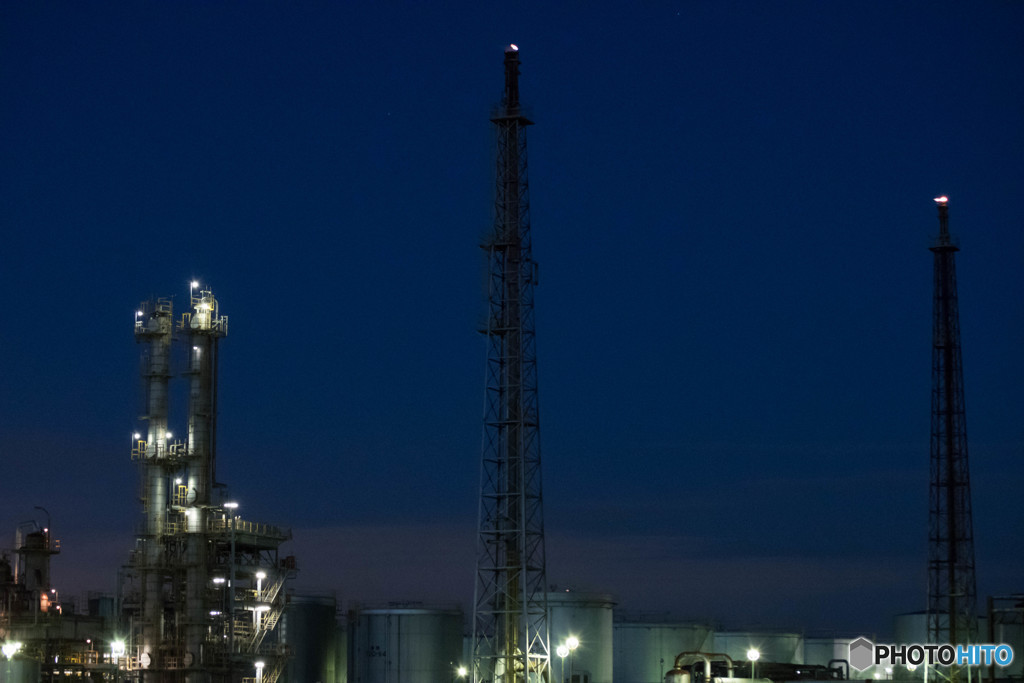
(205,326)
(952,615)
(153,325)
(510,631)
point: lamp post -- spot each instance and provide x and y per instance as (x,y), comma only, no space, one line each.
(572,642)
(259,671)
(232,506)
(753,655)
(563,652)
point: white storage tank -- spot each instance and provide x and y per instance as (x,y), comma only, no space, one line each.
(404,644)
(782,648)
(588,618)
(821,651)
(645,650)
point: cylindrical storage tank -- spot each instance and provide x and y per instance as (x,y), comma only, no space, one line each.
(588,618)
(404,645)
(309,629)
(781,648)
(646,651)
(911,627)
(821,651)
(1011,634)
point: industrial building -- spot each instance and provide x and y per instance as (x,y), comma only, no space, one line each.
(203,591)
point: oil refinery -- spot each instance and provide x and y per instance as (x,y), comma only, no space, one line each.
(204,595)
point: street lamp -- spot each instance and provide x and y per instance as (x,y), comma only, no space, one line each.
(231,588)
(572,642)
(563,652)
(753,655)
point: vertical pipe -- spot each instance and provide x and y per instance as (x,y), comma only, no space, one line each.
(204,329)
(155,330)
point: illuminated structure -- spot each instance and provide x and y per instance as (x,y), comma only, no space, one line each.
(952,615)
(510,631)
(203,588)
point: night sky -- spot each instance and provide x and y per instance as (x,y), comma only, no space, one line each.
(732,208)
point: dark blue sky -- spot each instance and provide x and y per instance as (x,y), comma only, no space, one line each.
(732,207)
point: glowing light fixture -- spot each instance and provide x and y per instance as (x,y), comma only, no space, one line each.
(942,200)
(261,575)
(10,648)
(515,48)
(572,642)
(562,651)
(462,672)
(117,648)
(231,506)
(753,654)
(195,284)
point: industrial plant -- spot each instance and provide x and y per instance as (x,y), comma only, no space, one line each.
(204,595)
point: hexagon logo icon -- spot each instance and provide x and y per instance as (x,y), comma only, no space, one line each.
(862,653)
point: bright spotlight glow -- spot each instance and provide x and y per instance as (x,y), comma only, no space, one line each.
(231,506)
(214,613)
(117,648)
(753,654)
(462,672)
(562,651)
(168,435)
(137,435)
(942,200)
(515,48)
(572,642)
(260,664)
(138,314)
(195,284)
(219,579)
(10,648)
(261,575)
(262,608)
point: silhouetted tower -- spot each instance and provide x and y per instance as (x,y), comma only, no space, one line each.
(510,631)
(951,586)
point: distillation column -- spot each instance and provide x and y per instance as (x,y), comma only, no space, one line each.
(510,631)
(952,595)
(204,327)
(153,326)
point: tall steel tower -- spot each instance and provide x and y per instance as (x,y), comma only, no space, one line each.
(510,630)
(951,585)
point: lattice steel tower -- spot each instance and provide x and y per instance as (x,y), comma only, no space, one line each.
(951,585)
(510,631)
